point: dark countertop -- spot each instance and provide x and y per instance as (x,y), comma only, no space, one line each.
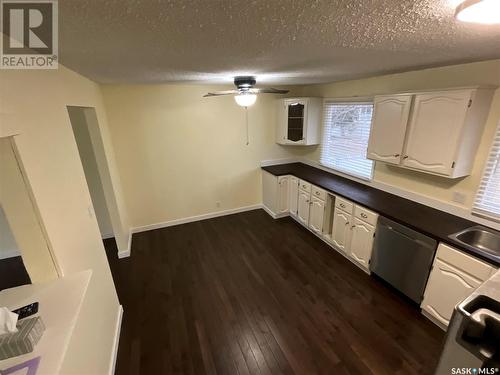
(424,219)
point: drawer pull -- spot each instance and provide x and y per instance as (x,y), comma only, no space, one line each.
(342,205)
(364,215)
(317,193)
(396,155)
(405,157)
(347,223)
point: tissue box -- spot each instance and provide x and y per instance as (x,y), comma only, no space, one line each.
(29,332)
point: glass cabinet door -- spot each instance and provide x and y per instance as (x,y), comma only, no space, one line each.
(295,121)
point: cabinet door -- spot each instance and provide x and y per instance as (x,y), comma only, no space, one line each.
(282,194)
(434,131)
(446,287)
(295,116)
(303,207)
(387,135)
(361,242)
(317,215)
(294,194)
(341,229)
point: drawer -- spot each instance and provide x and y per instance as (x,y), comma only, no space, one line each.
(343,204)
(304,185)
(365,215)
(318,192)
(464,262)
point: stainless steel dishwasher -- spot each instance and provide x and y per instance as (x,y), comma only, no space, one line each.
(402,257)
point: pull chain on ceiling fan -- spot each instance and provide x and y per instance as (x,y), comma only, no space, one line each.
(245,94)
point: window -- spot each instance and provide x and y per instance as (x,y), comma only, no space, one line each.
(346,129)
(487,201)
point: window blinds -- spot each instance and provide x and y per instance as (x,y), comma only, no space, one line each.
(346,129)
(487,202)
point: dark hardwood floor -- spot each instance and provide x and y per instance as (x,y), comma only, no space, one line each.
(246,294)
(13,273)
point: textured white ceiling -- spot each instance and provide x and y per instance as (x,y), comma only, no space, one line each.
(280,41)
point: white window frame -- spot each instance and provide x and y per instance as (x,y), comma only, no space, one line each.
(347,101)
(494,148)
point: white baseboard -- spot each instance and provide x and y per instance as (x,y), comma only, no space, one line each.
(126,253)
(107,236)
(10,254)
(191,219)
(271,213)
(116,340)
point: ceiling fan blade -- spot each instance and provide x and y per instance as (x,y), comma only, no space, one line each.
(220,93)
(269,90)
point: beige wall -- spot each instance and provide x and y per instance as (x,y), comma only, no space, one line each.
(89,163)
(23,218)
(34,102)
(179,153)
(483,73)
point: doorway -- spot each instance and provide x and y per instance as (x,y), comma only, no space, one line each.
(84,124)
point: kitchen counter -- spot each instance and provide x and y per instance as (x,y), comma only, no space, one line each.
(424,219)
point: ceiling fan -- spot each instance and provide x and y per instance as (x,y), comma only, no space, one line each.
(245,94)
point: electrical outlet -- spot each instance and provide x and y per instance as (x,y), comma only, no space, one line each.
(459,197)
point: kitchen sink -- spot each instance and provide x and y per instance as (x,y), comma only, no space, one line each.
(480,239)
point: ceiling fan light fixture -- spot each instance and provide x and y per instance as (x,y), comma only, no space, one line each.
(479,11)
(245,99)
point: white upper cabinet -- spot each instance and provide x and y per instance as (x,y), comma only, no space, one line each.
(299,121)
(390,116)
(435,132)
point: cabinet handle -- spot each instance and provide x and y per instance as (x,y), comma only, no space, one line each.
(347,223)
(352,226)
(317,193)
(405,157)
(396,155)
(364,215)
(342,205)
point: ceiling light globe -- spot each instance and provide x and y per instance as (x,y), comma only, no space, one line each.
(245,100)
(479,11)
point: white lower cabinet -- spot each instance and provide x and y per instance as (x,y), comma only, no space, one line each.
(293,192)
(283,202)
(353,231)
(341,230)
(362,243)
(275,194)
(454,276)
(303,207)
(316,215)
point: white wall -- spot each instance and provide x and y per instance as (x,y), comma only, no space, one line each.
(34,103)
(8,246)
(179,153)
(89,162)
